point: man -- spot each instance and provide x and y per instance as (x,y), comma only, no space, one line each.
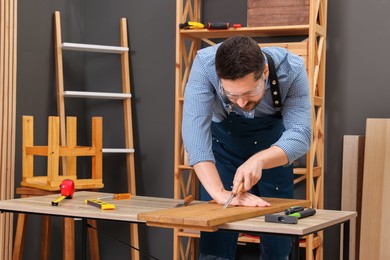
(246,118)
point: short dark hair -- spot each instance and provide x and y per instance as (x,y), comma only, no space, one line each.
(237,57)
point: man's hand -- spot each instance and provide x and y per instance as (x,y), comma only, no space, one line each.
(248,199)
(250,172)
(208,176)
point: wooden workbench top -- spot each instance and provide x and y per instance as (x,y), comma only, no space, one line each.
(128,210)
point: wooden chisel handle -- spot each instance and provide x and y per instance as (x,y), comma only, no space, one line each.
(122,196)
(240,188)
(188,199)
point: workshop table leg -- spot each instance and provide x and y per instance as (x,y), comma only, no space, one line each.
(45,240)
(84,239)
(295,248)
(19,237)
(68,242)
(346,241)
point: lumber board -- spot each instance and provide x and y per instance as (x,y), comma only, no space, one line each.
(375,230)
(208,216)
(351,191)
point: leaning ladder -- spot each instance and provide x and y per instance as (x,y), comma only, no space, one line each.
(125,96)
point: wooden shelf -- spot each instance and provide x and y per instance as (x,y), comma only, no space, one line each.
(293,30)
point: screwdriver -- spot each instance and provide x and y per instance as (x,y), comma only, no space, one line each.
(234,194)
(119,196)
(304,213)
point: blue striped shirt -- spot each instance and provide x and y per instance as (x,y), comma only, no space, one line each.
(203,104)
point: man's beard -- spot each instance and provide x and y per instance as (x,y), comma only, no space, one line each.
(250,105)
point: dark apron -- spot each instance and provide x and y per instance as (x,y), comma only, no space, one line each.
(235,139)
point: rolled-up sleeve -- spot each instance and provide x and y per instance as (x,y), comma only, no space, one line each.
(197,114)
(296,112)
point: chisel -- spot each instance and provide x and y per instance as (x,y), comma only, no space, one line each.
(119,196)
(187,200)
(234,194)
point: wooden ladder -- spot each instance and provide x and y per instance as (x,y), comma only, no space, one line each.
(125,96)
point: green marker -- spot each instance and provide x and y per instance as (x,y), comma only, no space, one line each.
(304,214)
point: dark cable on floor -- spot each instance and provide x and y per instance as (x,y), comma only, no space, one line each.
(139,250)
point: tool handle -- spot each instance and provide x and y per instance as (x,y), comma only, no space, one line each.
(304,214)
(240,188)
(122,196)
(293,210)
(217,25)
(188,199)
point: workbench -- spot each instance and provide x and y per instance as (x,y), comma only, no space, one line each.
(128,211)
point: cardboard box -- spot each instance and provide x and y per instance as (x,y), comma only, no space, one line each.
(277,12)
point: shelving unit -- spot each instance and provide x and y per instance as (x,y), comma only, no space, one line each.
(312,49)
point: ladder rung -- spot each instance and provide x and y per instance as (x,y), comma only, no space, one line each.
(118,150)
(102,95)
(93,47)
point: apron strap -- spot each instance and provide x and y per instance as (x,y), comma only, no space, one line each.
(275,91)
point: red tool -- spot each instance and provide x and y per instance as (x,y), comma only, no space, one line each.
(67,190)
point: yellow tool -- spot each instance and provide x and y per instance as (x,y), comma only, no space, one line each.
(57,200)
(191,25)
(99,204)
(119,196)
(234,194)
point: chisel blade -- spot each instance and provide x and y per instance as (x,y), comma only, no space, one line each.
(229,200)
(234,194)
(187,200)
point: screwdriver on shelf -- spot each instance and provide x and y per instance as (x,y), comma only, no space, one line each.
(191,25)
(119,196)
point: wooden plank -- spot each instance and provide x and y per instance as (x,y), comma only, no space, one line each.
(207,216)
(375,211)
(97,143)
(27,140)
(298,48)
(7,117)
(351,191)
(53,144)
(127,116)
(71,143)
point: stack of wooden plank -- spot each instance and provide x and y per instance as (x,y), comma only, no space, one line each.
(7,117)
(365,189)
(375,231)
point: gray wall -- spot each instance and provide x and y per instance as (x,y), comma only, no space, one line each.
(357,60)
